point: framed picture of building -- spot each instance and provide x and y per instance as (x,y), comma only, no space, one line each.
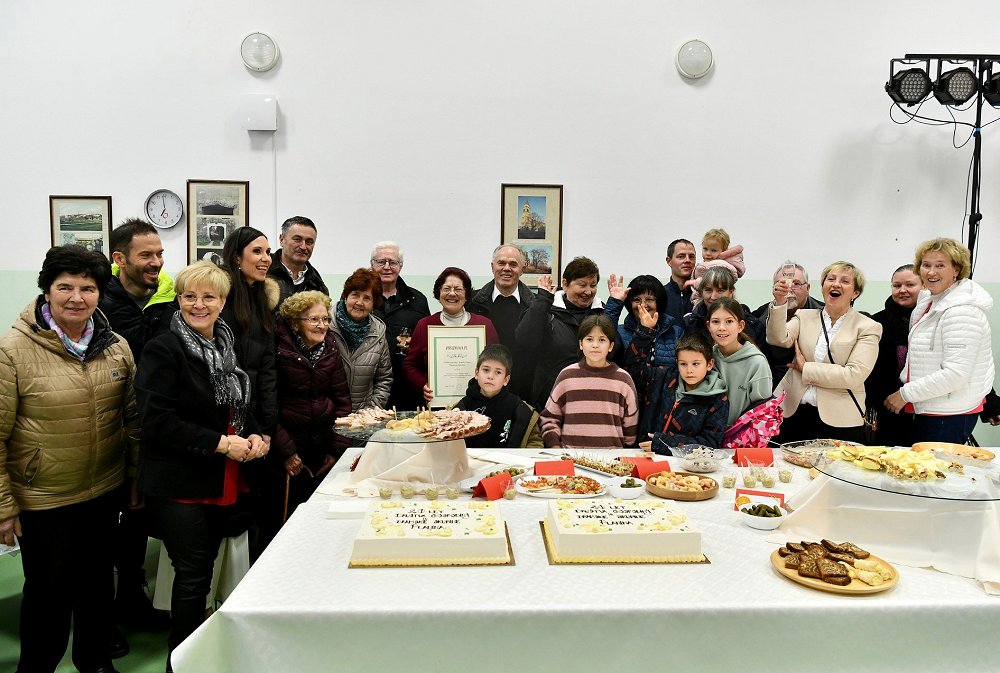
(531,218)
(214,209)
(81,220)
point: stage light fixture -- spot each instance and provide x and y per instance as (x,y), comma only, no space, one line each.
(991,90)
(909,86)
(956,87)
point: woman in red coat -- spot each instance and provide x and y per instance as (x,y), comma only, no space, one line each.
(312,392)
(452,288)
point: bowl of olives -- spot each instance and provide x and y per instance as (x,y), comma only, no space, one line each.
(626,488)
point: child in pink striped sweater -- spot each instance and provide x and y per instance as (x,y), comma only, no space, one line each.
(593,403)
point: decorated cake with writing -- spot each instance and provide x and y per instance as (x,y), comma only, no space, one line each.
(620,531)
(433,533)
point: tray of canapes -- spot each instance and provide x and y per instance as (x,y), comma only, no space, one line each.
(410,426)
(682,486)
(840,568)
(605,466)
(560,487)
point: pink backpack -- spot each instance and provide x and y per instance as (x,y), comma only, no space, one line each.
(756,426)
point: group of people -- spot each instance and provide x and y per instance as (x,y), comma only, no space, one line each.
(198,407)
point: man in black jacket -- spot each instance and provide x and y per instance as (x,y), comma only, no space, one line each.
(681,260)
(777,356)
(504,300)
(290,263)
(138,303)
(402,308)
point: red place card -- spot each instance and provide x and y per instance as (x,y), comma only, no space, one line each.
(759,496)
(746,457)
(554,467)
(492,488)
(645,466)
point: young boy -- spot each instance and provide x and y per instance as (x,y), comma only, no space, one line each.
(514,422)
(701,407)
(593,403)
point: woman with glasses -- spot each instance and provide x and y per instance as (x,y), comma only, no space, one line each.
(361,338)
(452,288)
(312,393)
(198,434)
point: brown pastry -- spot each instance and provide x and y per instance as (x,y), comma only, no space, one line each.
(809,567)
(783,551)
(846,548)
(795,547)
(793,561)
(814,549)
(837,556)
(832,572)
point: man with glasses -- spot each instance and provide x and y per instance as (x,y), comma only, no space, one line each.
(402,307)
(290,263)
(138,303)
(777,356)
(504,300)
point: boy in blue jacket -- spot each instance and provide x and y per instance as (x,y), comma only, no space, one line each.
(700,411)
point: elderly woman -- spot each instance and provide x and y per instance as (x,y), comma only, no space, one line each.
(67,408)
(452,288)
(893,429)
(249,313)
(718,282)
(648,354)
(549,326)
(198,431)
(835,351)
(361,338)
(949,361)
(312,393)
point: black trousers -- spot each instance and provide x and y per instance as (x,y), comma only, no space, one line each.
(68,576)
(191,534)
(130,539)
(806,424)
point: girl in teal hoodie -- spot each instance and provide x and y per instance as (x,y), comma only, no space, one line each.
(741,365)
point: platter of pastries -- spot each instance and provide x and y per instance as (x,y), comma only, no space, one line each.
(836,567)
(609,467)
(560,487)
(682,486)
(903,464)
(956,450)
(412,426)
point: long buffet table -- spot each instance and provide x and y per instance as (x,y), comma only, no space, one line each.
(302,609)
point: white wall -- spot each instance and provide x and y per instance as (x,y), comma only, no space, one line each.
(401,118)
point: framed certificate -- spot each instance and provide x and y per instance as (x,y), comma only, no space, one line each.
(451,360)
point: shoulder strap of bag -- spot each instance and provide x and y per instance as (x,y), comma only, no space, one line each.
(826,337)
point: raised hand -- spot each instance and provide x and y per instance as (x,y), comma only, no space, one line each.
(616,287)
(545,283)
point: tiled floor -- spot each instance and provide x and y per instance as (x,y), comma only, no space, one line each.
(149,650)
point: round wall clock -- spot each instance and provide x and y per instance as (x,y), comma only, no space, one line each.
(164,209)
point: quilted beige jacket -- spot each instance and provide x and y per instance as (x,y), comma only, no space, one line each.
(64,424)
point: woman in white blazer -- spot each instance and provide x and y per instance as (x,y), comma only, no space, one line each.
(949,359)
(835,350)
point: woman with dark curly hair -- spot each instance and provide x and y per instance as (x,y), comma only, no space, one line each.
(360,336)
(67,413)
(452,288)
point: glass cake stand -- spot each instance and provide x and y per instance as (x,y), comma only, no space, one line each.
(978,483)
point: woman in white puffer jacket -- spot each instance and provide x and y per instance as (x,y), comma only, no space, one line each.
(949,364)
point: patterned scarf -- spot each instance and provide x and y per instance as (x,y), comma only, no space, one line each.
(231,384)
(77,349)
(353,332)
(312,354)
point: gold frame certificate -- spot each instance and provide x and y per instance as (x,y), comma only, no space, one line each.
(452,352)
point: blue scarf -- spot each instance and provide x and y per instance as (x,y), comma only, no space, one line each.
(353,332)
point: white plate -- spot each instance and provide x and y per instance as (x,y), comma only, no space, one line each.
(554,494)
(471,483)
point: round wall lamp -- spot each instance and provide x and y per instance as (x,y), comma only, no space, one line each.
(259,52)
(694,59)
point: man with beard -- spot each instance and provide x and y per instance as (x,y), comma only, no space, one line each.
(504,300)
(290,263)
(777,356)
(681,260)
(138,303)
(403,306)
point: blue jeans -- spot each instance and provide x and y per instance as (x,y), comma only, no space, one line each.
(955,429)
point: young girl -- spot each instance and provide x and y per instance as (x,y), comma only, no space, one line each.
(593,402)
(743,368)
(715,252)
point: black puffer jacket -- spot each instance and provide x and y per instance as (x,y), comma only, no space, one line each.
(549,329)
(138,325)
(312,281)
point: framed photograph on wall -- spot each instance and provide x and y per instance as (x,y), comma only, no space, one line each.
(214,209)
(531,217)
(81,220)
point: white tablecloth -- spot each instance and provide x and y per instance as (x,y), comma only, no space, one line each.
(302,609)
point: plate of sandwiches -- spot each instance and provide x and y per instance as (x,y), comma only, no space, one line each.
(836,567)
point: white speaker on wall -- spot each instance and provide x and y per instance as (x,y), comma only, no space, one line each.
(259,112)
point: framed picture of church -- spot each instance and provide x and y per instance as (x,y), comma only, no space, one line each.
(214,209)
(531,218)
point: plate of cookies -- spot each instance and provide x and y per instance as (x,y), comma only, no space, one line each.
(836,567)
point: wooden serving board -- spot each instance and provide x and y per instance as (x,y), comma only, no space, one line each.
(689,496)
(855,588)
